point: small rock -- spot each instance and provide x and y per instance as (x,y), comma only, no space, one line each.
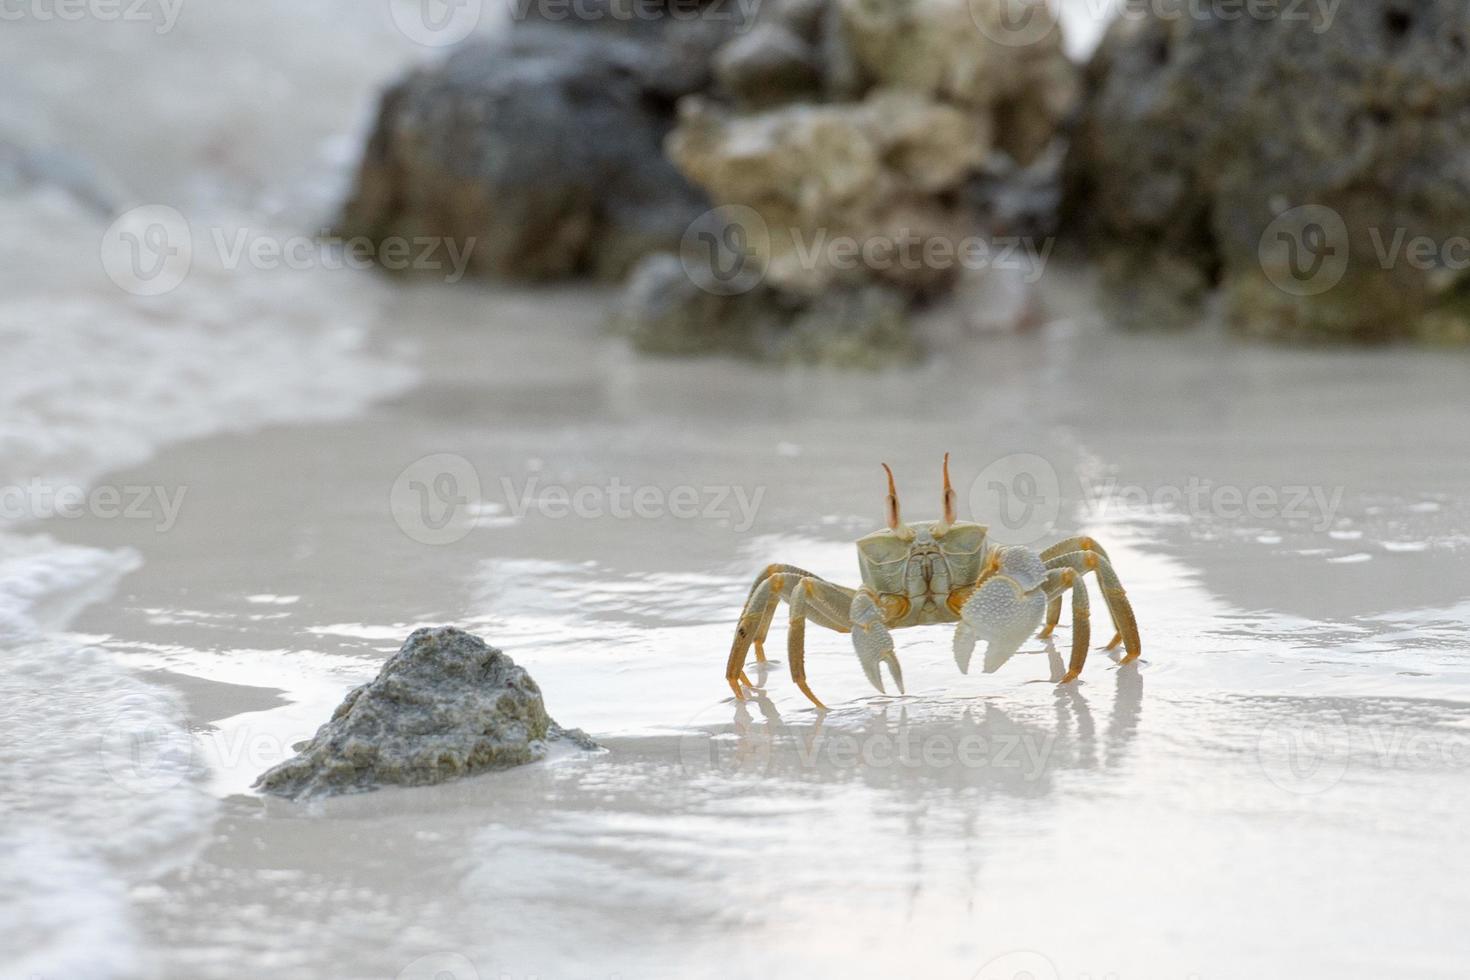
(444,706)
(674,306)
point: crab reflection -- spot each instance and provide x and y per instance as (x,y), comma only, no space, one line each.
(1011,747)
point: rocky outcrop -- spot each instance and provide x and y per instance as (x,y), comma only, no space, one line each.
(444,706)
(965,53)
(1312,167)
(543,147)
(829,179)
(869,199)
(861,136)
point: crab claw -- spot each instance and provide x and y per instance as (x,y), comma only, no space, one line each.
(876,648)
(895,670)
(964,647)
(1003,614)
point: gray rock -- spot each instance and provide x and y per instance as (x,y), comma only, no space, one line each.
(445,705)
(1201,134)
(678,306)
(543,146)
(804,17)
(766,66)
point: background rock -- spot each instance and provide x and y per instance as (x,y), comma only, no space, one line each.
(544,146)
(954,51)
(674,306)
(822,177)
(871,193)
(767,65)
(445,705)
(858,134)
(1200,136)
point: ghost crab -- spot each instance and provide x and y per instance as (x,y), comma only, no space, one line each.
(945,571)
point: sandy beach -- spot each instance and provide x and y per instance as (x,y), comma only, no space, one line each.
(1301,693)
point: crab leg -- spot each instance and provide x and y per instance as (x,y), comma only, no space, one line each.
(826,605)
(772,602)
(1092,560)
(776,582)
(1059,582)
(1054,608)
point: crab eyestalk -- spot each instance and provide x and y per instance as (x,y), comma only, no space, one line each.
(895,521)
(949,502)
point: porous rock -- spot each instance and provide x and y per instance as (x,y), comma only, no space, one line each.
(446,705)
(962,53)
(822,177)
(1239,151)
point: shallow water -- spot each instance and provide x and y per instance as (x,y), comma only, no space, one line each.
(1274,789)
(1289,756)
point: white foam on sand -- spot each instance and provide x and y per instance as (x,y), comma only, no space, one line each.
(101,785)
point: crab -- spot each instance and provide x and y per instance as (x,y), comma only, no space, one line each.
(944,571)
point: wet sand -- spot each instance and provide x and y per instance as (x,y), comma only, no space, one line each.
(1274,789)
